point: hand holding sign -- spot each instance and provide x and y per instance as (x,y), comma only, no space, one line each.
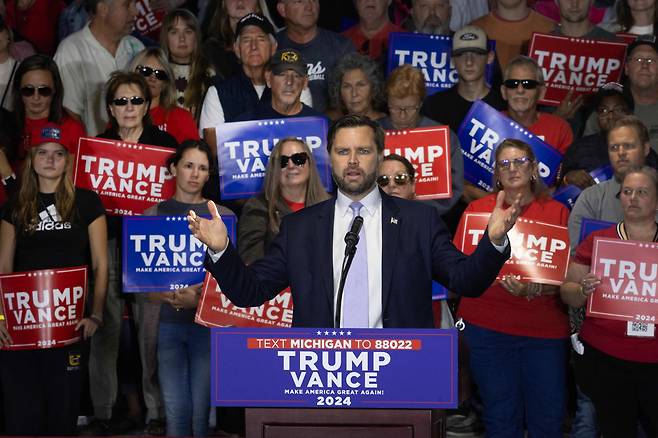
(579,178)
(187,297)
(211,232)
(502,220)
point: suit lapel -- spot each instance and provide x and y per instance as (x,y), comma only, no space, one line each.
(391,223)
(324,231)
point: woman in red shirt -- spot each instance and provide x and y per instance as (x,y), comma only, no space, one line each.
(517,332)
(165,114)
(37,93)
(617,366)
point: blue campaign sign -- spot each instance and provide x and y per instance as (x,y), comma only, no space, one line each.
(431,54)
(483,129)
(438,291)
(568,194)
(160,254)
(347,368)
(587,226)
(243,149)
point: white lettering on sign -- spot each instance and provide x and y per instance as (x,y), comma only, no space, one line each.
(169,250)
(49,305)
(576,70)
(627,278)
(436,67)
(421,157)
(107,174)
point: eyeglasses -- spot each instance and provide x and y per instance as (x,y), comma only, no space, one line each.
(640,60)
(520,162)
(616,147)
(29,90)
(642,192)
(298,159)
(400,179)
(123,101)
(619,110)
(403,109)
(148,71)
(528,84)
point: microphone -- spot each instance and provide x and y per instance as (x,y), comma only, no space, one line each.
(352,236)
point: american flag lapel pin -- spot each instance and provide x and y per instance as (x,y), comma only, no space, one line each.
(394,220)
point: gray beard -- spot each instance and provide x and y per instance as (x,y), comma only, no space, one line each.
(434,26)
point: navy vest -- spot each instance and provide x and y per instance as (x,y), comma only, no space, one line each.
(238,95)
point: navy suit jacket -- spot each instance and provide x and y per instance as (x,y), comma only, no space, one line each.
(416,248)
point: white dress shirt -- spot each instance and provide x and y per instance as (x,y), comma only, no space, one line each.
(372,226)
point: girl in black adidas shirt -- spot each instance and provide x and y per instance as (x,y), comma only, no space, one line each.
(50,224)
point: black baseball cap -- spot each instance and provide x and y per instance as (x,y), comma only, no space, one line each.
(254,19)
(287,59)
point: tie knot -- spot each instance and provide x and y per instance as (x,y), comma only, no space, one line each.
(356,208)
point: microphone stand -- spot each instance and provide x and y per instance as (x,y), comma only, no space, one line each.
(350,250)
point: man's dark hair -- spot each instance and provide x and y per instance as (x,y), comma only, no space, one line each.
(92,5)
(356,121)
(406,163)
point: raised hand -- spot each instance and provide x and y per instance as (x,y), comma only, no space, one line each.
(502,220)
(211,232)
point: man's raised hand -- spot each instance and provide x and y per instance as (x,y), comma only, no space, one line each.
(211,232)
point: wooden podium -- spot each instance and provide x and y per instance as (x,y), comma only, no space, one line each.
(344,423)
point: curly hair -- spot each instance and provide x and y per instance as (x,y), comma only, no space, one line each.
(372,71)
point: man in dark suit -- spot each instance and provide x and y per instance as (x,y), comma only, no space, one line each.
(403,246)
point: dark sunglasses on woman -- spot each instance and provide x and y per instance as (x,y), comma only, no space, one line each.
(400,179)
(298,159)
(29,90)
(123,101)
(148,71)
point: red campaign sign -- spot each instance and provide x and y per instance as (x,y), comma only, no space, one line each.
(540,251)
(428,149)
(628,271)
(128,177)
(627,38)
(148,21)
(584,65)
(43,307)
(216,310)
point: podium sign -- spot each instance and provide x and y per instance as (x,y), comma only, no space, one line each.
(334,368)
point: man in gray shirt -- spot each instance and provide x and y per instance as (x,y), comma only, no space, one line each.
(320,48)
(628,145)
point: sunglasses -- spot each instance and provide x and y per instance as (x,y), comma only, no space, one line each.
(298,159)
(528,84)
(400,179)
(148,71)
(519,163)
(123,101)
(29,90)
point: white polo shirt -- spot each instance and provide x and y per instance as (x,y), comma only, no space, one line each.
(85,67)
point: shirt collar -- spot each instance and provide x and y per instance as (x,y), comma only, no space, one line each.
(371,203)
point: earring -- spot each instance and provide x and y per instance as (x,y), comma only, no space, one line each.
(499,185)
(533,178)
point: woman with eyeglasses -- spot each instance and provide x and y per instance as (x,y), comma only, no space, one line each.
(396,177)
(617,361)
(517,332)
(165,114)
(405,91)
(355,87)
(292,182)
(38,94)
(51,224)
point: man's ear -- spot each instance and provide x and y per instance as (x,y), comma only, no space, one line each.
(281,8)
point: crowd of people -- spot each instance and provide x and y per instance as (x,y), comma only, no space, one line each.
(83,68)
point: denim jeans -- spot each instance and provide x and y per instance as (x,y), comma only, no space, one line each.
(184,372)
(519,378)
(584,422)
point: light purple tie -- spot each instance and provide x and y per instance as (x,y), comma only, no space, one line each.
(355,294)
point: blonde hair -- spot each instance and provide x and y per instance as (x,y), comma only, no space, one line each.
(404,81)
(272,185)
